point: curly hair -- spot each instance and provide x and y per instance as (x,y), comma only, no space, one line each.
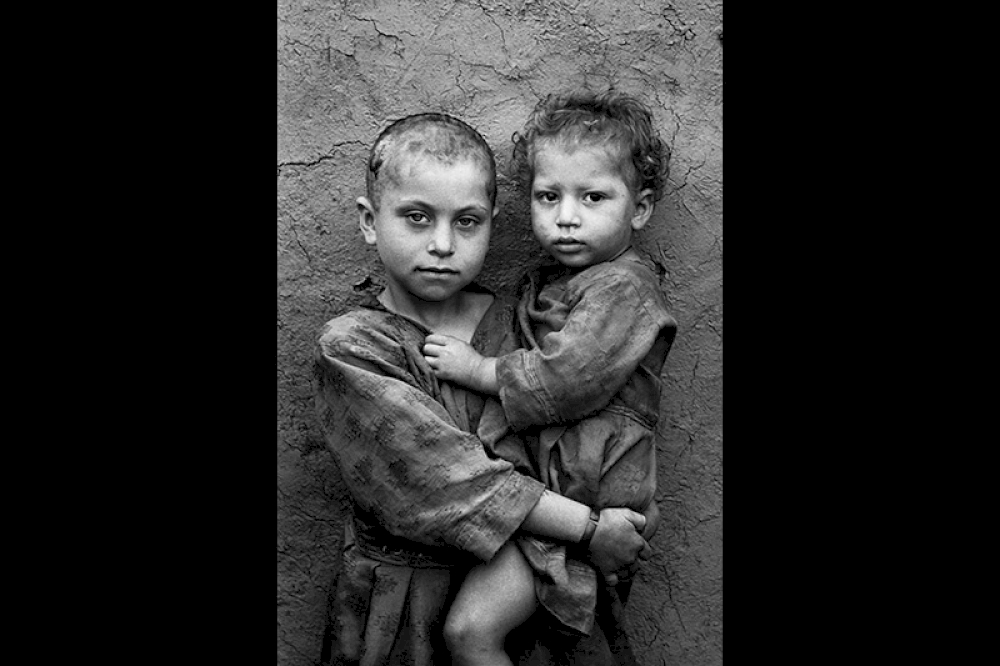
(437,135)
(613,119)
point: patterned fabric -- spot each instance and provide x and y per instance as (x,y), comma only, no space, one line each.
(428,501)
(594,343)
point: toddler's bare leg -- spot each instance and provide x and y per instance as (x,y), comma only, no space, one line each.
(494,599)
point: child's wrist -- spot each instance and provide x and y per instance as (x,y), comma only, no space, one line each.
(486,375)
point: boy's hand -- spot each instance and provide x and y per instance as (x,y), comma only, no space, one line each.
(456,361)
(617,544)
(652,514)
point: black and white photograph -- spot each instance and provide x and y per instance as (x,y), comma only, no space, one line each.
(499,333)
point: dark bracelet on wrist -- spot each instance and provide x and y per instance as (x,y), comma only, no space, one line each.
(588,533)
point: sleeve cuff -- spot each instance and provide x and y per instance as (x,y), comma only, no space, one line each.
(502,516)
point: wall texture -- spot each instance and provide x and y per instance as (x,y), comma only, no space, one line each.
(344,69)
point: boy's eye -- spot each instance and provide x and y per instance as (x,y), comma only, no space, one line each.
(466,222)
(418,218)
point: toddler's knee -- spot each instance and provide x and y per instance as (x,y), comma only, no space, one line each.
(467,634)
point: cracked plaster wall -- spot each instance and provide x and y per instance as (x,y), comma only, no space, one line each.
(344,68)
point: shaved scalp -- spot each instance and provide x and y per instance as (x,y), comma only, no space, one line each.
(426,135)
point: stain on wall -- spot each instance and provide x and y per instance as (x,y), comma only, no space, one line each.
(344,70)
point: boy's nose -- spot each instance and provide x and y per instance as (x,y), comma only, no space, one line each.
(443,241)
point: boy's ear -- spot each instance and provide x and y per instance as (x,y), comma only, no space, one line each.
(643,209)
(366,219)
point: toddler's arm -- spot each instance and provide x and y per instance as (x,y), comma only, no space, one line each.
(457,361)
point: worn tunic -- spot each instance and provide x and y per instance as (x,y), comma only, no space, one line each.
(585,393)
(428,501)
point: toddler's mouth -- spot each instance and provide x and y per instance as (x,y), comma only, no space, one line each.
(442,270)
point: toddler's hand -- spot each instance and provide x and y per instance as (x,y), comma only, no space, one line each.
(452,359)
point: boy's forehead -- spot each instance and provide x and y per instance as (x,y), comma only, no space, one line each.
(417,147)
(400,156)
(430,141)
(403,167)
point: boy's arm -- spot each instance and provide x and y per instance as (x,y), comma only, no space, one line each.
(457,361)
(404,459)
(426,480)
(616,542)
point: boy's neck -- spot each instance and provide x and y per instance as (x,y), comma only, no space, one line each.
(459,316)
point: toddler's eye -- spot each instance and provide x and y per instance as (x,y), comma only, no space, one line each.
(546,197)
(594,197)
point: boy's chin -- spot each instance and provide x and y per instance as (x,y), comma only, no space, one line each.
(436,295)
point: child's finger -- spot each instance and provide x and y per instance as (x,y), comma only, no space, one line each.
(638,520)
(436,339)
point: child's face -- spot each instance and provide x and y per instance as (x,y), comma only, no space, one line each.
(582,210)
(432,228)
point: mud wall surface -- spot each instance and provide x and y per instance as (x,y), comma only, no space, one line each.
(347,68)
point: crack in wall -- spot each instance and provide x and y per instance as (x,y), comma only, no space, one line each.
(670,596)
(503,35)
(302,247)
(684,179)
(322,158)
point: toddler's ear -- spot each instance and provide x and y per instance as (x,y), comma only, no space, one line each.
(366,219)
(643,209)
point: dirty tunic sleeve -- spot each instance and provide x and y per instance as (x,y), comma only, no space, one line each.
(402,456)
(575,371)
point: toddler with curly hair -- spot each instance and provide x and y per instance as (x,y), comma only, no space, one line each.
(583,392)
